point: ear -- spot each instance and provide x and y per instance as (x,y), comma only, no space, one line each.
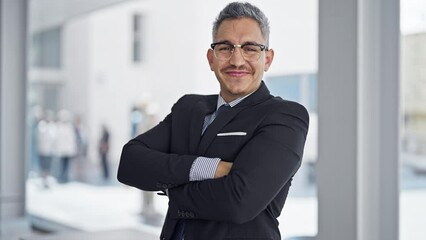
(210,58)
(269,57)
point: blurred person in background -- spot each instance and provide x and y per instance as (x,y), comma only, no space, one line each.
(225,161)
(34,118)
(46,143)
(66,144)
(81,153)
(103,152)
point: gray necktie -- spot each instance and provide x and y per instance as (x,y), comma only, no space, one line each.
(210,118)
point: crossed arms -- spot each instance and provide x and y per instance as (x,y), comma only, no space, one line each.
(240,190)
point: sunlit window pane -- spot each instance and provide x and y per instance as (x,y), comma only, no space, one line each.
(413,132)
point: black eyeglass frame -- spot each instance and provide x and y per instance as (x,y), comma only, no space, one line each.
(262,47)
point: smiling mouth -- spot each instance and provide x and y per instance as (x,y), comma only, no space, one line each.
(237,73)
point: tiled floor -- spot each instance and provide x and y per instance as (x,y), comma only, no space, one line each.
(115,207)
(87,207)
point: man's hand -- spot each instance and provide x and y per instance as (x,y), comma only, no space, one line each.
(222,169)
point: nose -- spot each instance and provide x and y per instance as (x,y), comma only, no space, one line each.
(237,58)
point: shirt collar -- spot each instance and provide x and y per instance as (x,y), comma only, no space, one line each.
(221,101)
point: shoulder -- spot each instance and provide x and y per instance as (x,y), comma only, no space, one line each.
(191,98)
(281,105)
(190,101)
(286,108)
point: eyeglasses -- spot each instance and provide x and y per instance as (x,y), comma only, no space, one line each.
(250,51)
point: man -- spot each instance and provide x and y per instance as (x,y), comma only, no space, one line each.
(226,169)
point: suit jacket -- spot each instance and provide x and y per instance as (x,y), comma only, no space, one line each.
(263,136)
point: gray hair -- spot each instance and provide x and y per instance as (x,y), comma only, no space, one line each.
(237,10)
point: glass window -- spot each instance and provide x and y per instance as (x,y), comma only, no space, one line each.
(300,88)
(413,132)
(46,48)
(137,38)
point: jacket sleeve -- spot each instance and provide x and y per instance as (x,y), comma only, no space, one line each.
(146,162)
(261,169)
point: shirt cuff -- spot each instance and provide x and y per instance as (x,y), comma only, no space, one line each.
(203,168)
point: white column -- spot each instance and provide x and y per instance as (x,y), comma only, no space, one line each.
(337,116)
(12,108)
(378,132)
(358,119)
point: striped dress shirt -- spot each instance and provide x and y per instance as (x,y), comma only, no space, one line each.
(203,167)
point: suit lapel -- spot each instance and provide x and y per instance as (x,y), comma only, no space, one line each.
(201,109)
(221,120)
(260,95)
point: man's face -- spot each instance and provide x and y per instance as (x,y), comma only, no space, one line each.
(237,76)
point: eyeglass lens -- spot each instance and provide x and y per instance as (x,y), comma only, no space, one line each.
(250,52)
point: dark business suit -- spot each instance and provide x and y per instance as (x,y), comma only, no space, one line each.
(242,205)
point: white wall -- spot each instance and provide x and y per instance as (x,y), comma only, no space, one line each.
(76,60)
